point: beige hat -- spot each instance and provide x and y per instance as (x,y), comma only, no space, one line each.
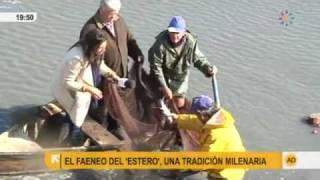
(114,5)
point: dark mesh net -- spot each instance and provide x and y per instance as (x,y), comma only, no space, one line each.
(138,112)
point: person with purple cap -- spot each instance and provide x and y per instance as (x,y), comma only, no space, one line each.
(217,132)
(170,58)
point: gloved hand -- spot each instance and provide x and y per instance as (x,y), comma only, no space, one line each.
(169,122)
(126,83)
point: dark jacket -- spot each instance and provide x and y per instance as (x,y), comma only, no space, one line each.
(119,47)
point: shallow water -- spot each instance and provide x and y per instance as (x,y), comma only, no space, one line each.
(268,72)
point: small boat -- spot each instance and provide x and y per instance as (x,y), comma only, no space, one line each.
(26,160)
(17,163)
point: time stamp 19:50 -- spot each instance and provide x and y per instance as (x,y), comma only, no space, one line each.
(18,16)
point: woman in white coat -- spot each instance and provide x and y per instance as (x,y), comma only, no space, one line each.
(73,85)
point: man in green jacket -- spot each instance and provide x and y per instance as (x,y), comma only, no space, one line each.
(170,58)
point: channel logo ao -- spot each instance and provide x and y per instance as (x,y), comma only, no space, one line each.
(291,160)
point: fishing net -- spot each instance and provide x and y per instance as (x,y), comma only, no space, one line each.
(138,112)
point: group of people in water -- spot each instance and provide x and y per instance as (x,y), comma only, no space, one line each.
(100,56)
